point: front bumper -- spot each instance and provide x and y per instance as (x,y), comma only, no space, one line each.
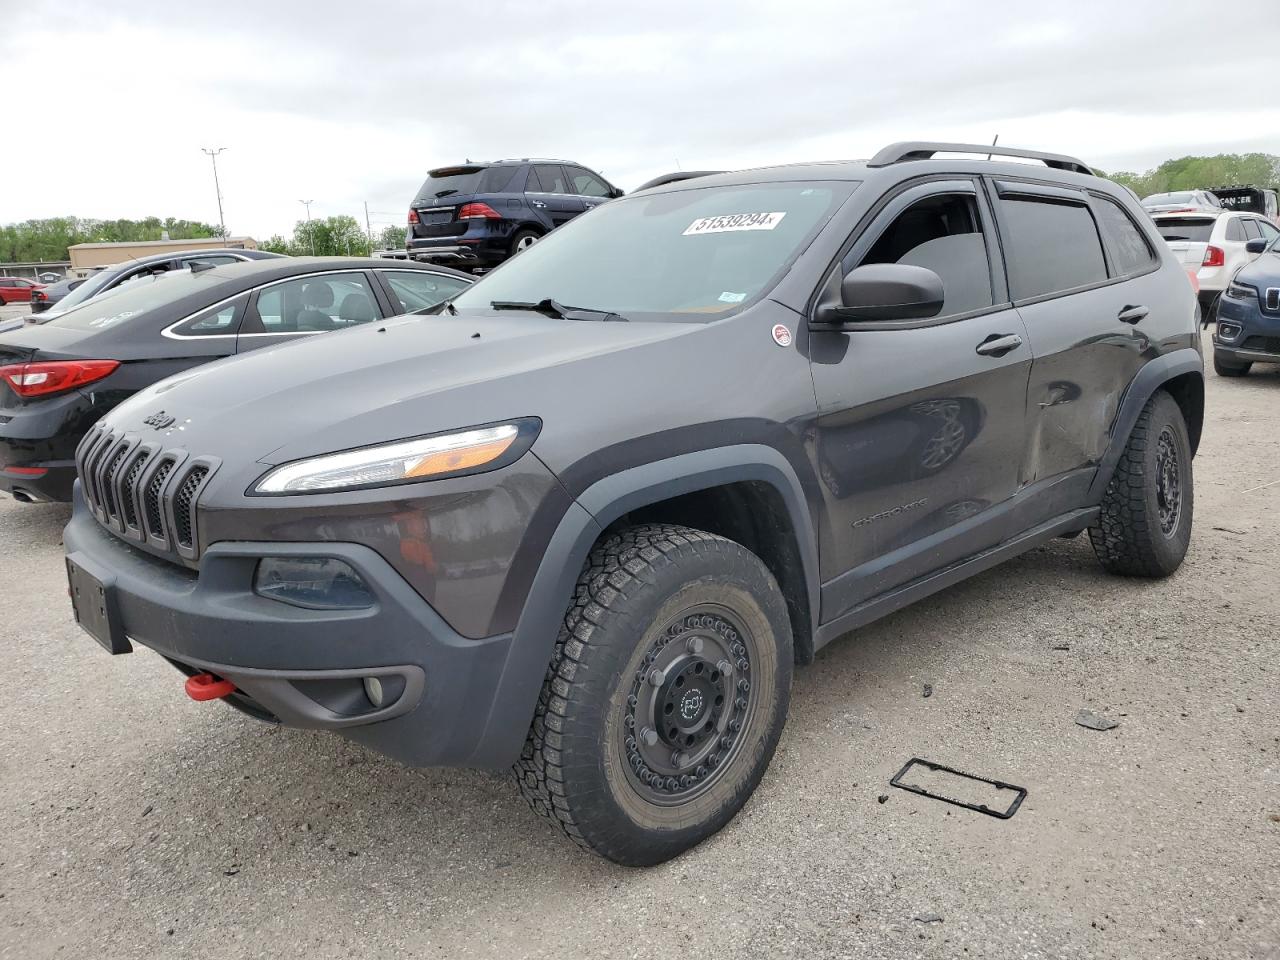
(303,667)
(1256,332)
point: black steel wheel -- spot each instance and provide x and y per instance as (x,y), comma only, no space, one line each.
(1144,526)
(666,696)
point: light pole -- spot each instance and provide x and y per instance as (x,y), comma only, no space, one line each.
(311,237)
(213,155)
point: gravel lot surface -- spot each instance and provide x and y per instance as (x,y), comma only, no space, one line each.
(136,823)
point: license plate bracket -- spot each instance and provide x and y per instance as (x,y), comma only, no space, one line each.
(1019,793)
(93,603)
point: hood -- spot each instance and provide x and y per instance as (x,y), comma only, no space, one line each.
(385,381)
(1263,272)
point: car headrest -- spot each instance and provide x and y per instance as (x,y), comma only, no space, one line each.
(317,294)
(356,308)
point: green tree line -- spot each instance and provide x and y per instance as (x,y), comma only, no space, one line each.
(1198,173)
(35,240)
(339,236)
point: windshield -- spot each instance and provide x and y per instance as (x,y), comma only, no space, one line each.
(1159,199)
(464,180)
(691,254)
(136,297)
(86,290)
(1196,229)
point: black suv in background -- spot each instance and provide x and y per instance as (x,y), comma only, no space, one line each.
(584,520)
(478,214)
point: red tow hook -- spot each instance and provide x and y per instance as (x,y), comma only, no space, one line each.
(205,686)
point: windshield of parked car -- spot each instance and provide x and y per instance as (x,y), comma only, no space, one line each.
(86,290)
(691,254)
(135,298)
(1161,198)
(1195,229)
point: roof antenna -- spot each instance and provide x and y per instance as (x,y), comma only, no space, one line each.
(994,141)
(678,167)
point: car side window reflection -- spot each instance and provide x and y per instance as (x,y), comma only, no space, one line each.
(316,304)
(944,234)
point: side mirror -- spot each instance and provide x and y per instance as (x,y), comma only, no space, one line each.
(886,291)
(615,193)
(1256,245)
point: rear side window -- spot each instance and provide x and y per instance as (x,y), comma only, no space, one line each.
(315,304)
(1251,229)
(1195,229)
(1235,230)
(418,290)
(222,319)
(549,176)
(1052,246)
(1129,248)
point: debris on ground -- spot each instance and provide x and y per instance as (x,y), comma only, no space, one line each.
(883,798)
(1062,646)
(928,690)
(928,918)
(1087,718)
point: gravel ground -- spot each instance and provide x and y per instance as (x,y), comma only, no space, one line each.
(134,822)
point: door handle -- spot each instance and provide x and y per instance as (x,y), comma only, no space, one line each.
(997,345)
(539,204)
(1132,314)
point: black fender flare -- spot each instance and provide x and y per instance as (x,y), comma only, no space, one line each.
(1153,375)
(533,641)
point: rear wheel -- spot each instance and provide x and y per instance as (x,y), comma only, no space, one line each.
(1144,527)
(523,240)
(665,697)
(1225,369)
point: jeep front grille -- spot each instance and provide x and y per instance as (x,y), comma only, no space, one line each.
(143,492)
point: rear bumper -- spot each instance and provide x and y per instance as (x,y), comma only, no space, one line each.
(52,485)
(306,668)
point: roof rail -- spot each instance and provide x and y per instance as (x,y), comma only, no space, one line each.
(533,160)
(924,150)
(675,178)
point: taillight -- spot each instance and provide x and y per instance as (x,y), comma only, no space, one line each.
(42,378)
(413,216)
(478,211)
(1214,257)
(37,295)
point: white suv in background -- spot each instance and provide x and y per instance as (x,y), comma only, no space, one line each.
(1212,247)
(1184,201)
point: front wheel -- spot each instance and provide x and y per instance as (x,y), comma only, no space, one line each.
(1144,527)
(1224,369)
(666,695)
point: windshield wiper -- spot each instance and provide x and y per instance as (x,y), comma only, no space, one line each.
(558,310)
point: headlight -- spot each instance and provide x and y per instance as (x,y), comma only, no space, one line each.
(426,458)
(1240,291)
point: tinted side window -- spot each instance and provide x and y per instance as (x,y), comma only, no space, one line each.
(944,234)
(1235,230)
(418,290)
(214,259)
(1268,231)
(1251,229)
(1052,246)
(315,304)
(220,320)
(587,184)
(550,176)
(1129,247)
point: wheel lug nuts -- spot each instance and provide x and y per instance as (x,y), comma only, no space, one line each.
(686,781)
(629,721)
(649,736)
(714,760)
(677,759)
(631,744)
(700,772)
(742,665)
(656,677)
(741,703)
(694,645)
(744,684)
(726,742)
(735,725)
(725,668)
(632,702)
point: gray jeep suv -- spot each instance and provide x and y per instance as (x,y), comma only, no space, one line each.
(583,521)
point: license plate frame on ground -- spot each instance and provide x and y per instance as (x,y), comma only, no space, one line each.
(94,606)
(1020,793)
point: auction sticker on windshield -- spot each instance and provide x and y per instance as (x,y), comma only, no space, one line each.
(734,221)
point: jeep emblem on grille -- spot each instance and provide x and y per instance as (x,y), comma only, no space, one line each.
(160,420)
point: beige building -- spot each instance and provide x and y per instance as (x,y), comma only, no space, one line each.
(87,257)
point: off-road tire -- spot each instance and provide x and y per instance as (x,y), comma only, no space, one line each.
(1224,369)
(634,597)
(1130,536)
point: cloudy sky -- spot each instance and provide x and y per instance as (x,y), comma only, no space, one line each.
(109,101)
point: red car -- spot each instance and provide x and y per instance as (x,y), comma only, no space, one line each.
(17,289)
